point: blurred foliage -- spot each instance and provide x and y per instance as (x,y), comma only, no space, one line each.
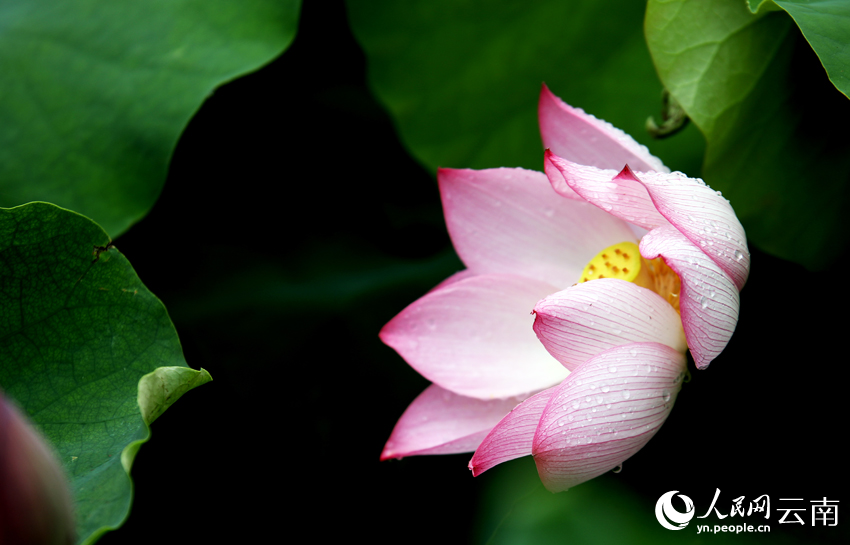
(293,225)
(825,24)
(768,111)
(462,78)
(95,93)
(517,510)
(79,332)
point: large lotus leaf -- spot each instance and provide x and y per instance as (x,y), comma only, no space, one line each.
(86,350)
(768,112)
(95,93)
(826,26)
(461,78)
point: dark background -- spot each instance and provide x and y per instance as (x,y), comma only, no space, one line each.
(293,225)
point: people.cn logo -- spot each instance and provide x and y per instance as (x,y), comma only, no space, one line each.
(666,513)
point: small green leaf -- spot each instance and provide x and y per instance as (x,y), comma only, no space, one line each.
(825,24)
(768,112)
(161,388)
(462,78)
(86,350)
(95,93)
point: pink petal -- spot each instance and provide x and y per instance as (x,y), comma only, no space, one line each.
(513,436)
(475,338)
(460,275)
(584,139)
(620,196)
(703,216)
(580,322)
(509,220)
(605,412)
(559,183)
(442,422)
(709,301)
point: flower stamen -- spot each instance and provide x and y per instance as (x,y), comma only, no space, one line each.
(617,261)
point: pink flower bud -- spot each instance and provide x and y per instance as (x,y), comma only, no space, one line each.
(35,504)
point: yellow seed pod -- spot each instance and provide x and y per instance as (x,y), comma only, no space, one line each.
(621,261)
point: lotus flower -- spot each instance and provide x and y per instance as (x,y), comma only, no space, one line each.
(566,335)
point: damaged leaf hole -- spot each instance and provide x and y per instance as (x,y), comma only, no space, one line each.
(99,250)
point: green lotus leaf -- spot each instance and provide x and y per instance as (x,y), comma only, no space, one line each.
(87,351)
(462,78)
(826,26)
(95,93)
(751,83)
